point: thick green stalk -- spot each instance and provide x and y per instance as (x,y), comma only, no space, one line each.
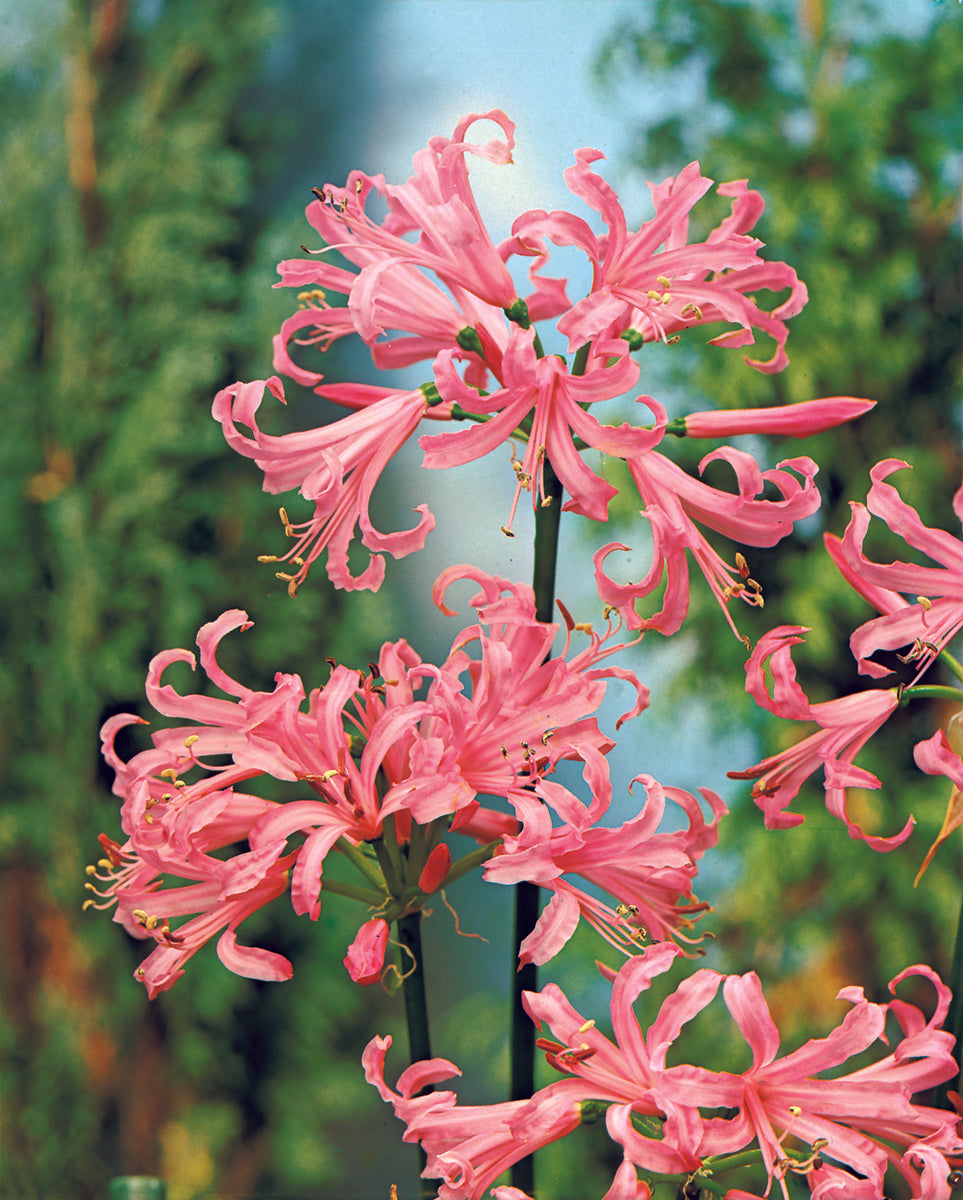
(416,1012)
(527,894)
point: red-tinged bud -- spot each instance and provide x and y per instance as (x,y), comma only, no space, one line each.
(435,869)
(786,420)
(365,959)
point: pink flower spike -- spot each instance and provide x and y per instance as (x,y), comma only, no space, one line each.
(787,420)
(365,959)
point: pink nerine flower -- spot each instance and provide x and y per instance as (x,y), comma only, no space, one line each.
(653,281)
(557,401)
(469,1147)
(864,1121)
(845,726)
(336,467)
(437,204)
(936,614)
(649,873)
(365,959)
(675,506)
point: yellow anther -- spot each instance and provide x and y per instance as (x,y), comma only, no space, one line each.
(87,904)
(663,281)
(91,869)
(586,1026)
(506,531)
(795,1110)
(105,863)
(691,310)
(267,558)
(925,602)
(652,294)
(331,773)
(139,914)
(190,740)
(169,773)
(666,297)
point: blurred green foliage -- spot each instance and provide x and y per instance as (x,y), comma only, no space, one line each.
(135,282)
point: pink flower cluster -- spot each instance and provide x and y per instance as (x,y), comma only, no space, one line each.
(410,744)
(864,1122)
(426,283)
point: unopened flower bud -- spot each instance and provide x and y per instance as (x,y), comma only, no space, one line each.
(435,869)
(365,959)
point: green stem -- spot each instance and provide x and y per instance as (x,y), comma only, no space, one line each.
(361,862)
(527,894)
(366,895)
(416,1015)
(954,664)
(931,691)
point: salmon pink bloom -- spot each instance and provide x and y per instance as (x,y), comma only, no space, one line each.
(469,1147)
(557,401)
(648,874)
(436,203)
(865,1119)
(845,726)
(336,467)
(935,615)
(676,505)
(653,281)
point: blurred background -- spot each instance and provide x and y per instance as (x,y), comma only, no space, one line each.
(155,160)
